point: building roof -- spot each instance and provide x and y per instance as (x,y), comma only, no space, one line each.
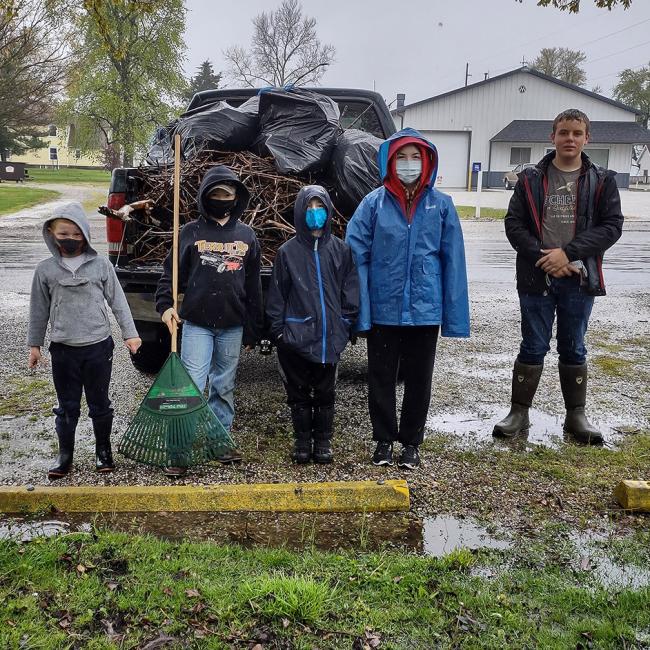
(602,132)
(535,73)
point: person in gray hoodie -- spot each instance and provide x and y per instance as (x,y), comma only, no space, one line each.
(69,290)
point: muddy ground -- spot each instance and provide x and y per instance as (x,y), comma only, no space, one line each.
(465,473)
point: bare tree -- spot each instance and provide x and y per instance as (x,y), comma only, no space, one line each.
(284,50)
(573,6)
(34,53)
(561,63)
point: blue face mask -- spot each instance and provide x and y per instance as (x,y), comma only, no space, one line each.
(316,218)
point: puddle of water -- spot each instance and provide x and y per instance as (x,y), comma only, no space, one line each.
(593,560)
(442,535)
(433,537)
(472,427)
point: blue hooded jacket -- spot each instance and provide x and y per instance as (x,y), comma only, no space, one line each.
(410,273)
(313,297)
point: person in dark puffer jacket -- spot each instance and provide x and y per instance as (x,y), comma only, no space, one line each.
(312,303)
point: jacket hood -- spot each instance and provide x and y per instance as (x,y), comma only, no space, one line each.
(411,136)
(72,212)
(223,174)
(305,195)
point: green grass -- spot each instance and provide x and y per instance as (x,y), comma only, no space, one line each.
(69,175)
(26,395)
(18,197)
(110,590)
(614,366)
(468,212)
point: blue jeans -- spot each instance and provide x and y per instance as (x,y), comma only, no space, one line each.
(213,354)
(572,304)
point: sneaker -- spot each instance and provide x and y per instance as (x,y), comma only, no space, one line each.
(383,454)
(174,471)
(409,458)
(229,456)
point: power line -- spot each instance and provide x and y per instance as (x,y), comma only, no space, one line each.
(627,49)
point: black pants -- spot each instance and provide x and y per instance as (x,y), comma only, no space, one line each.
(308,384)
(86,368)
(412,351)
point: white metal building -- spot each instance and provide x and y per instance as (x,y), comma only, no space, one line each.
(507,120)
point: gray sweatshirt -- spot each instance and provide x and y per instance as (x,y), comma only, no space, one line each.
(73,301)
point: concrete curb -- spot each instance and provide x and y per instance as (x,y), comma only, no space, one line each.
(633,495)
(343,496)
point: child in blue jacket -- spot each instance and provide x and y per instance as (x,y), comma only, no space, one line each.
(312,303)
(409,251)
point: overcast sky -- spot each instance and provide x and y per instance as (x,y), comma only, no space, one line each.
(420,47)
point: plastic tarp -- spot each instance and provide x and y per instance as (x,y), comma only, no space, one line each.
(298,128)
(353,168)
(218,126)
(161,147)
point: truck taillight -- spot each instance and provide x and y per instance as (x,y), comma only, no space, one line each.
(115,227)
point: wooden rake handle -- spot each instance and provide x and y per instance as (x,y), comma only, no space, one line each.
(177,204)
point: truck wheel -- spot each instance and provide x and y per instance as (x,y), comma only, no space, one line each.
(150,357)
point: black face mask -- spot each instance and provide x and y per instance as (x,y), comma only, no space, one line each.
(70,246)
(218,208)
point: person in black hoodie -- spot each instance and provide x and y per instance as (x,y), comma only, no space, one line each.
(312,302)
(219,277)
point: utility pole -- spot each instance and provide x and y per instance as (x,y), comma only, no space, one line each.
(467,74)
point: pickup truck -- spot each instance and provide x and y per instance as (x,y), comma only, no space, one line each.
(365,110)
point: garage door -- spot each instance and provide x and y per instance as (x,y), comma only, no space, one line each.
(453,152)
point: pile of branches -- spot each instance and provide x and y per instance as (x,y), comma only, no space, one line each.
(269,213)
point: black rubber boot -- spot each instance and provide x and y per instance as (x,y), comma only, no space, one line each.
(525,380)
(322,432)
(573,380)
(63,463)
(302,419)
(103,454)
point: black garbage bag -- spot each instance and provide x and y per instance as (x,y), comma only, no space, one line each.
(218,126)
(298,128)
(161,147)
(353,168)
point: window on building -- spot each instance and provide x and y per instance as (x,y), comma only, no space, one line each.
(77,153)
(599,157)
(519,155)
(51,130)
(54,153)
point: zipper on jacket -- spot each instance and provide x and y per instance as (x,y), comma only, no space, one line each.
(407,275)
(322,298)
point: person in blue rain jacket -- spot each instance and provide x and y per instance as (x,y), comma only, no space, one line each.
(409,251)
(312,303)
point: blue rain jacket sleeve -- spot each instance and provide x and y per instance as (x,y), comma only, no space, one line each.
(455,300)
(359,236)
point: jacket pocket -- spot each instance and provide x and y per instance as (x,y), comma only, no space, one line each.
(298,332)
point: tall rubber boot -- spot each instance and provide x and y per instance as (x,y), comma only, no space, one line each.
(103,454)
(525,380)
(573,380)
(301,417)
(65,432)
(322,428)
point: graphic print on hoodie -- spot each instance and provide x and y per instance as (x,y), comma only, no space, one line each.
(219,266)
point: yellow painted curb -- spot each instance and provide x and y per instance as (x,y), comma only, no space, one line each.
(633,495)
(343,496)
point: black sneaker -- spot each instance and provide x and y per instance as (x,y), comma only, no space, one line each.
(409,458)
(383,454)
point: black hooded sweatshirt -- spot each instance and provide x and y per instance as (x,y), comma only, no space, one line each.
(313,297)
(219,266)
